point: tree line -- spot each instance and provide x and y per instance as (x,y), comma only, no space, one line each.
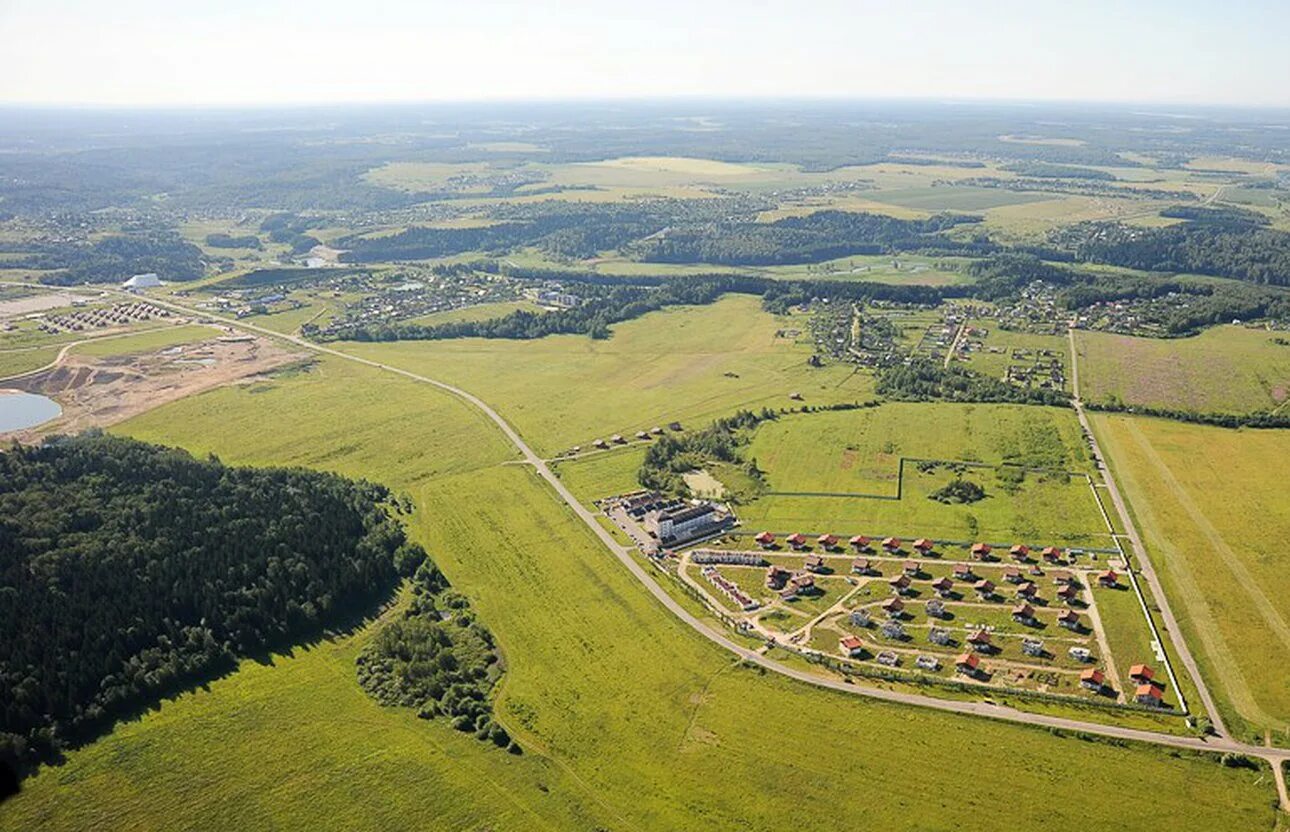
(129,572)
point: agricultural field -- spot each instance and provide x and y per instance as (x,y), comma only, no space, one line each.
(1225,369)
(687,364)
(1211,505)
(841,472)
(621,710)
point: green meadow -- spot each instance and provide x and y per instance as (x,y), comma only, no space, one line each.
(628,719)
(1228,369)
(686,364)
(1212,506)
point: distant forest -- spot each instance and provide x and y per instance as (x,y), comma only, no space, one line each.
(129,572)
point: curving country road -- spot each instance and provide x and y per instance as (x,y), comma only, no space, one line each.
(1274,756)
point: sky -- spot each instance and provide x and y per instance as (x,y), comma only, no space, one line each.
(265,52)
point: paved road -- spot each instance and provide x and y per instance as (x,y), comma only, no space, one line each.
(1140,552)
(981,709)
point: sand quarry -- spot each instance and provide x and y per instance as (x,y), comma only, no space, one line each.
(101,391)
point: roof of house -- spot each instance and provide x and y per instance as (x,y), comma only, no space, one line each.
(1023,609)
(827,539)
(969,659)
(1093,675)
(1141,671)
(979,637)
(962,569)
(1068,615)
(984,585)
(893,604)
(891,542)
(1020,549)
(1052,552)
(980,547)
(849,643)
(942,583)
(899,580)
(796,537)
(764,537)
(859,540)
(1149,690)
(1108,575)
(922,543)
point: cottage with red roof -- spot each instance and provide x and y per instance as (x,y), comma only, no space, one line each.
(776,577)
(863,566)
(1108,578)
(969,664)
(1019,552)
(984,588)
(828,541)
(803,582)
(1063,578)
(814,563)
(765,539)
(891,544)
(1012,575)
(851,646)
(1069,619)
(963,571)
(797,540)
(1141,673)
(1052,554)
(1092,679)
(1067,594)
(980,551)
(899,584)
(911,568)
(923,545)
(1027,590)
(1150,695)
(943,587)
(860,542)
(980,640)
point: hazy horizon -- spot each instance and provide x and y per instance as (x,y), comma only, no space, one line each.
(149,54)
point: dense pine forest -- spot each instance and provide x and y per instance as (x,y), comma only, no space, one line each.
(130,571)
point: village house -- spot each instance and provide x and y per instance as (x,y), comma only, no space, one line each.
(776,577)
(1019,552)
(1108,579)
(969,664)
(980,551)
(1141,673)
(979,640)
(863,566)
(860,617)
(894,607)
(789,592)
(963,572)
(765,539)
(1149,694)
(804,583)
(860,542)
(938,635)
(899,584)
(1012,575)
(893,629)
(1063,578)
(1068,594)
(984,588)
(923,545)
(1069,619)
(891,544)
(888,658)
(1032,647)
(943,587)
(1023,614)
(851,646)
(1092,679)
(928,663)
(797,540)
(911,568)
(814,563)
(1027,590)
(936,608)
(1080,654)
(827,541)
(1052,554)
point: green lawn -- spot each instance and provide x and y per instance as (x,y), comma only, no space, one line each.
(602,474)
(1227,369)
(149,341)
(1214,511)
(624,713)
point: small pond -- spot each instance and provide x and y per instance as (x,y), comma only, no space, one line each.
(20,410)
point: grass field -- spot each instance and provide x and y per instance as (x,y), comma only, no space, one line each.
(858,453)
(954,198)
(624,713)
(1212,506)
(1227,369)
(149,341)
(690,364)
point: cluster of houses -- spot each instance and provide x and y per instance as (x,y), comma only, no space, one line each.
(98,317)
(789,584)
(733,592)
(619,439)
